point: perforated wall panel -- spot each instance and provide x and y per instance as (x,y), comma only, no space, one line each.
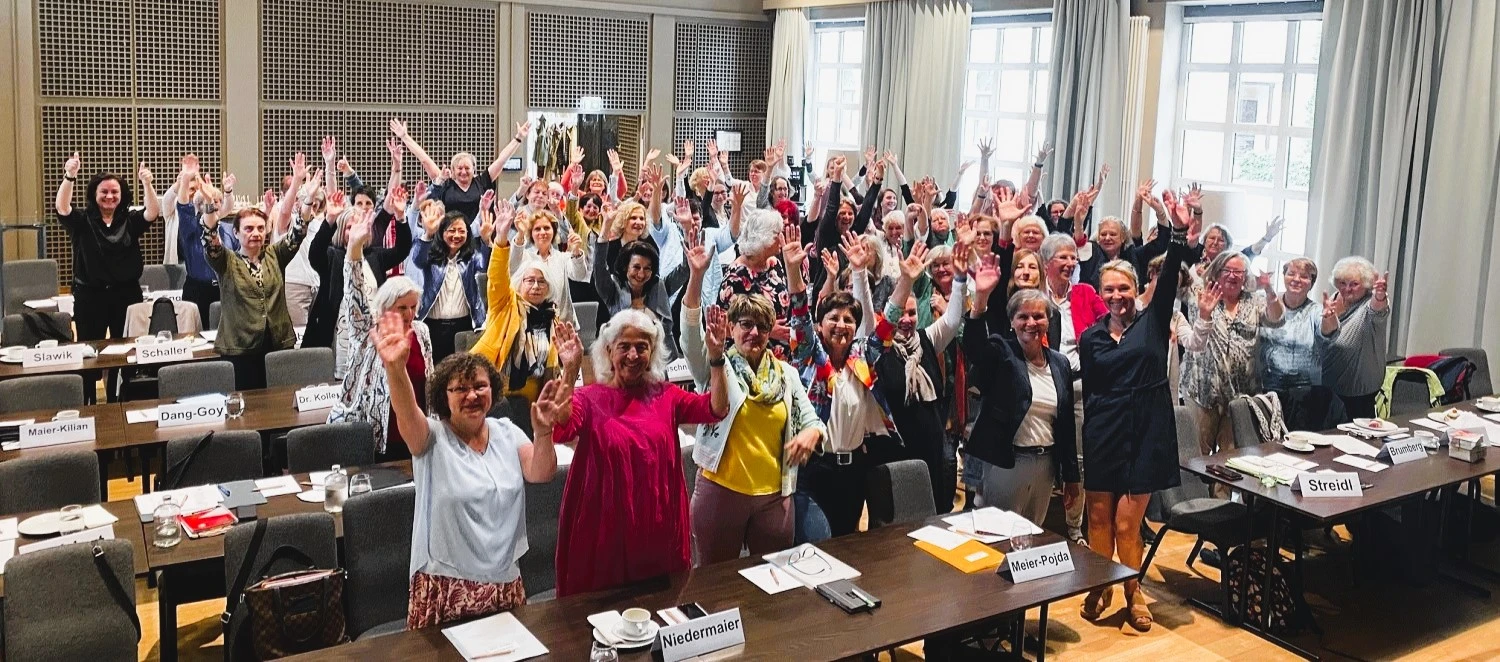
(572,56)
(383,63)
(362,136)
(302,50)
(176,48)
(465,35)
(286,132)
(701,130)
(722,69)
(84,48)
(628,135)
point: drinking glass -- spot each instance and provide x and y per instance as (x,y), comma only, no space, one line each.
(163,336)
(603,653)
(359,484)
(71,519)
(1020,536)
(234,405)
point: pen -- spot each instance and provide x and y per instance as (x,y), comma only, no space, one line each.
(774,578)
(223,490)
(503,650)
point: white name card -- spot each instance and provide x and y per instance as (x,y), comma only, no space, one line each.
(170,295)
(701,636)
(177,350)
(1403,451)
(171,416)
(66,431)
(1038,562)
(318,397)
(1332,484)
(45,356)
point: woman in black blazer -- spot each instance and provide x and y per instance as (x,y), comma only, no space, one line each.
(1024,435)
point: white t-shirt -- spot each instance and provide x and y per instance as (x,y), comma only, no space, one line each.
(470,518)
(854,414)
(1036,427)
(299,270)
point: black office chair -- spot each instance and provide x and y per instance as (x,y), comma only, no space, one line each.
(60,604)
(377,549)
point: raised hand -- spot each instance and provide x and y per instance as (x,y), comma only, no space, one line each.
(986,147)
(672,159)
(854,249)
(870,154)
(652,155)
(299,167)
(1043,152)
(713,151)
(962,251)
(487,220)
(1274,227)
(1143,192)
(336,204)
(575,155)
(836,168)
(419,191)
(682,211)
(343,166)
(71,166)
(915,262)
(615,164)
(228,180)
(792,250)
(144,174)
(964,167)
(1193,199)
(575,244)
(551,405)
(687,151)
(697,254)
(1103,175)
(1332,307)
(1381,283)
(569,346)
(715,331)
(391,340)
(522,130)
(1263,281)
(398,128)
(739,194)
(359,231)
(187,167)
(329,150)
(396,148)
(1010,206)
(830,263)
(964,231)
(504,214)
(986,276)
(268,201)
(1208,298)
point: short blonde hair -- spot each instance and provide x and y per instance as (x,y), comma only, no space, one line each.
(756,307)
(1123,268)
(1306,265)
(461,157)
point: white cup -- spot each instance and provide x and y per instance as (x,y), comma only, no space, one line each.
(145,340)
(14,353)
(46,344)
(635,621)
(65,415)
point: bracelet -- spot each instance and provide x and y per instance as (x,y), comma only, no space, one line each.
(1037,165)
(716,363)
(71,178)
(1197,212)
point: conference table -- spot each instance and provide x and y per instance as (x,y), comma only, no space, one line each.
(102,361)
(126,527)
(1395,484)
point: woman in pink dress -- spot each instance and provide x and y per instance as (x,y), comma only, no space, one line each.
(625,507)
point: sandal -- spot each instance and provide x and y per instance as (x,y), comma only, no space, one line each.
(1140,616)
(1095,603)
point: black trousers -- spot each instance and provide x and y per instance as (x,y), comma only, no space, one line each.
(101,309)
(203,294)
(442,335)
(250,365)
(840,489)
(1359,406)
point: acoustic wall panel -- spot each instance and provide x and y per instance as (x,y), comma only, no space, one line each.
(84,48)
(176,48)
(572,56)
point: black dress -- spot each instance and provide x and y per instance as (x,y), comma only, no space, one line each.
(1129,428)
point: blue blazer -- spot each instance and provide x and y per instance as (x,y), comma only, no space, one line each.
(432,279)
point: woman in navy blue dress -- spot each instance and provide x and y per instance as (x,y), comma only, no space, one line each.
(1129,430)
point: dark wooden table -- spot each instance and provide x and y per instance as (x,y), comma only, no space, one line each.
(266,410)
(109,429)
(128,527)
(921,596)
(100,362)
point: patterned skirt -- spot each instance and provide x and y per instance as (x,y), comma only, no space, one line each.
(436,599)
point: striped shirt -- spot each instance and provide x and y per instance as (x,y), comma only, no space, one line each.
(1354,360)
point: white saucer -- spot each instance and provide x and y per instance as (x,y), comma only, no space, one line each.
(46,524)
(1310,437)
(1442,417)
(311,495)
(7,359)
(1364,423)
(1299,449)
(621,642)
(1488,404)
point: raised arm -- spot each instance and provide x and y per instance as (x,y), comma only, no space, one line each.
(63,202)
(398,129)
(509,150)
(393,344)
(1034,180)
(698,258)
(148,194)
(499,295)
(330,153)
(860,260)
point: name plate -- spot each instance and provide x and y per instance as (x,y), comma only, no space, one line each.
(57,432)
(177,350)
(318,397)
(171,295)
(1038,562)
(171,416)
(45,356)
(1332,484)
(701,636)
(1403,451)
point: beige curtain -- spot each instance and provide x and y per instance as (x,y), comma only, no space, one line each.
(916,57)
(790,43)
(1090,52)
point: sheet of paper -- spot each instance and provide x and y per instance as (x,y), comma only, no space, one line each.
(1361,463)
(17,423)
(1260,466)
(205,399)
(1286,460)
(133,417)
(318,478)
(8,528)
(498,637)
(942,538)
(989,525)
(1351,446)
(767,578)
(96,516)
(115,350)
(1493,417)
(209,334)
(86,535)
(189,499)
(277,486)
(811,566)
(1429,424)
(7,550)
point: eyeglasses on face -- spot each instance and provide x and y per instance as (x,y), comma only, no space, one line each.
(747,324)
(464,391)
(533,281)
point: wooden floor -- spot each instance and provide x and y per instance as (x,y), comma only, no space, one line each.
(1378,619)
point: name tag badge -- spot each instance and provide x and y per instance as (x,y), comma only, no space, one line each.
(1403,451)
(46,356)
(1038,562)
(57,432)
(177,350)
(318,397)
(701,636)
(171,416)
(1331,484)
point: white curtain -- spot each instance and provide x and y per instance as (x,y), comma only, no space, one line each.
(790,44)
(1406,158)
(1089,68)
(916,57)
(1129,171)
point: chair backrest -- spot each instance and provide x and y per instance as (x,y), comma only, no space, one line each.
(164,316)
(49,480)
(155,276)
(298,367)
(463,341)
(587,315)
(16,331)
(213,316)
(1192,487)
(58,606)
(185,379)
(900,491)
(41,392)
(228,456)
(26,280)
(377,551)
(1242,422)
(310,533)
(317,447)
(1479,384)
(482,279)
(176,276)
(543,504)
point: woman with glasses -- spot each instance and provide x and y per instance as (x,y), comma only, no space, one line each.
(537,242)
(1354,361)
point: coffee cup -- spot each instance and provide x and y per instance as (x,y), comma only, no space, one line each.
(14,353)
(47,344)
(65,415)
(635,622)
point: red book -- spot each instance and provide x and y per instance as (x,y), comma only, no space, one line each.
(211,522)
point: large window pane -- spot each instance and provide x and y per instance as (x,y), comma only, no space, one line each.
(849,86)
(1044,44)
(1304,98)
(1039,97)
(1294,235)
(1202,155)
(1011,139)
(1207,96)
(1309,41)
(1299,164)
(828,47)
(1211,42)
(1015,86)
(848,127)
(854,46)
(1263,42)
(828,85)
(1015,45)
(826,126)
(982,45)
(1254,158)
(1259,99)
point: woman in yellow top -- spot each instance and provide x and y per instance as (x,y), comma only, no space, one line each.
(749,459)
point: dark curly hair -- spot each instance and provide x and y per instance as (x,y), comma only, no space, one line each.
(458,367)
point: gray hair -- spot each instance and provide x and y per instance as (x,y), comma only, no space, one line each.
(1029,219)
(1215,269)
(758,231)
(1356,265)
(894,215)
(529,263)
(1228,238)
(1021,298)
(939,252)
(1054,243)
(1112,220)
(630,318)
(391,291)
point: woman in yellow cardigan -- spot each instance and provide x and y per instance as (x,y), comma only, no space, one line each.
(519,322)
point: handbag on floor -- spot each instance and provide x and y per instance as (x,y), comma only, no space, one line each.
(1247,601)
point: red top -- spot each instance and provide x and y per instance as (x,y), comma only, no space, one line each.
(416,369)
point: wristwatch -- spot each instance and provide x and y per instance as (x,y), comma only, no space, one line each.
(716,363)
(71,178)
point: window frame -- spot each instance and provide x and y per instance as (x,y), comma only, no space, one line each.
(1037,70)
(811,106)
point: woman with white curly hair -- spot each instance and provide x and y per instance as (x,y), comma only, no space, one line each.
(625,507)
(1354,360)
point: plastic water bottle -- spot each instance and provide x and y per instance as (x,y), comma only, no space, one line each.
(335,490)
(166,529)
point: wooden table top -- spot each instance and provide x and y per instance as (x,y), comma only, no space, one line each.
(109,429)
(100,362)
(920,596)
(266,410)
(127,528)
(1392,484)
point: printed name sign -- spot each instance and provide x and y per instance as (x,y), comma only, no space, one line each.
(65,431)
(171,416)
(318,397)
(701,636)
(177,350)
(1403,451)
(1332,484)
(1038,562)
(170,295)
(45,356)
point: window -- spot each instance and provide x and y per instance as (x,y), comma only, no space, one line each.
(1005,98)
(835,92)
(1244,122)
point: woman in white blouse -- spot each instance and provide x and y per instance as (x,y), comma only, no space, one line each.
(538,242)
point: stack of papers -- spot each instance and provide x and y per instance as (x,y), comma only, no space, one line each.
(188,499)
(1351,446)
(498,637)
(1289,461)
(1429,424)
(940,538)
(810,566)
(1261,467)
(767,578)
(122,348)
(141,416)
(1361,463)
(277,486)
(989,525)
